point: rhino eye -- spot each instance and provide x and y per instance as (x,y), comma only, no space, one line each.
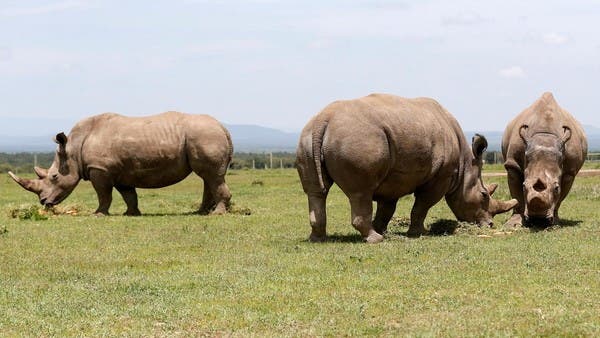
(54,177)
(485,194)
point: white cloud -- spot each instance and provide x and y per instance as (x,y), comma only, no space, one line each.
(5,53)
(463,19)
(320,44)
(227,46)
(555,39)
(514,72)
(43,61)
(45,9)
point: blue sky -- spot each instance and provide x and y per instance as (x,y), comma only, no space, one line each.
(277,63)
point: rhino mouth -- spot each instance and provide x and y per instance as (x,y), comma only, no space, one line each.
(49,204)
(538,221)
(46,203)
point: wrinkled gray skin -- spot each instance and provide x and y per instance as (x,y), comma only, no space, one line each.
(544,147)
(382,147)
(112,150)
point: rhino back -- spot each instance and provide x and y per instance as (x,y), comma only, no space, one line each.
(152,151)
(401,143)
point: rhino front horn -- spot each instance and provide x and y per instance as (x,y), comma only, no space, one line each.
(25,183)
(502,206)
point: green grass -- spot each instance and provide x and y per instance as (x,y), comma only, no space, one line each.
(171,273)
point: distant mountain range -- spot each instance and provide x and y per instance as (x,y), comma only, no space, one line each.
(251,138)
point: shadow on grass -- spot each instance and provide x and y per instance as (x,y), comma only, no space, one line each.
(344,238)
(563,223)
(235,211)
(161,214)
(442,227)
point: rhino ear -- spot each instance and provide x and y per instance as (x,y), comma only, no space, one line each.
(523,132)
(61,140)
(479,145)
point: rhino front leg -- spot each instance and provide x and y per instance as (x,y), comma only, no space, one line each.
(131,200)
(361,206)
(425,198)
(385,211)
(566,184)
(103,186)
(515,185)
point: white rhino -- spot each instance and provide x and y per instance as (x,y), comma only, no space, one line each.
(544,147)
(112,150)
(382,147)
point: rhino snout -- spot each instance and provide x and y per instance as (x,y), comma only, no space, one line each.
(539,186)
(538,221)
(538,205)
(486,222)
(45,202)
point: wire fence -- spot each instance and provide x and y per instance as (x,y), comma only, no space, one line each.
(495,157)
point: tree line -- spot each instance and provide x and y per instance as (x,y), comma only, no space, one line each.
(24,162)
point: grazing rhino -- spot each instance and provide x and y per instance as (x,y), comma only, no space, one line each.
(112,150)
(544,147)
(382,147)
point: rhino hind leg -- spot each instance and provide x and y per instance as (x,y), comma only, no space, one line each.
(383,215)
(361,206)
(221,195)
(103,186)
(131,200)
(317,214)
(208,200)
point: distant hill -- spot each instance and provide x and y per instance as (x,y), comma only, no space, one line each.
(17,144)
(252,138)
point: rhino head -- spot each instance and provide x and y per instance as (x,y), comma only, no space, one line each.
(472,201)
(544,154)
(56,183)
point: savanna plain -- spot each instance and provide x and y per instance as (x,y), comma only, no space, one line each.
(252,272)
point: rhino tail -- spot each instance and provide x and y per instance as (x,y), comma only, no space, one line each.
(230,143)
(317,144)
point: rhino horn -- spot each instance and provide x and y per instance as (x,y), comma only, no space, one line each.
(503,206)
(41,172)
(492,188)
(30,185)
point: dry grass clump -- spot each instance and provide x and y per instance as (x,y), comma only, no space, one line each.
(40,213)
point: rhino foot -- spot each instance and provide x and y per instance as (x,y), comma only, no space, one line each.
(516,221)
(100,214)
(374,237)
(415,232)
(132,213)
(219,211)
(316,238)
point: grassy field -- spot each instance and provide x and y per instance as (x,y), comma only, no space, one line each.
(172,273)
